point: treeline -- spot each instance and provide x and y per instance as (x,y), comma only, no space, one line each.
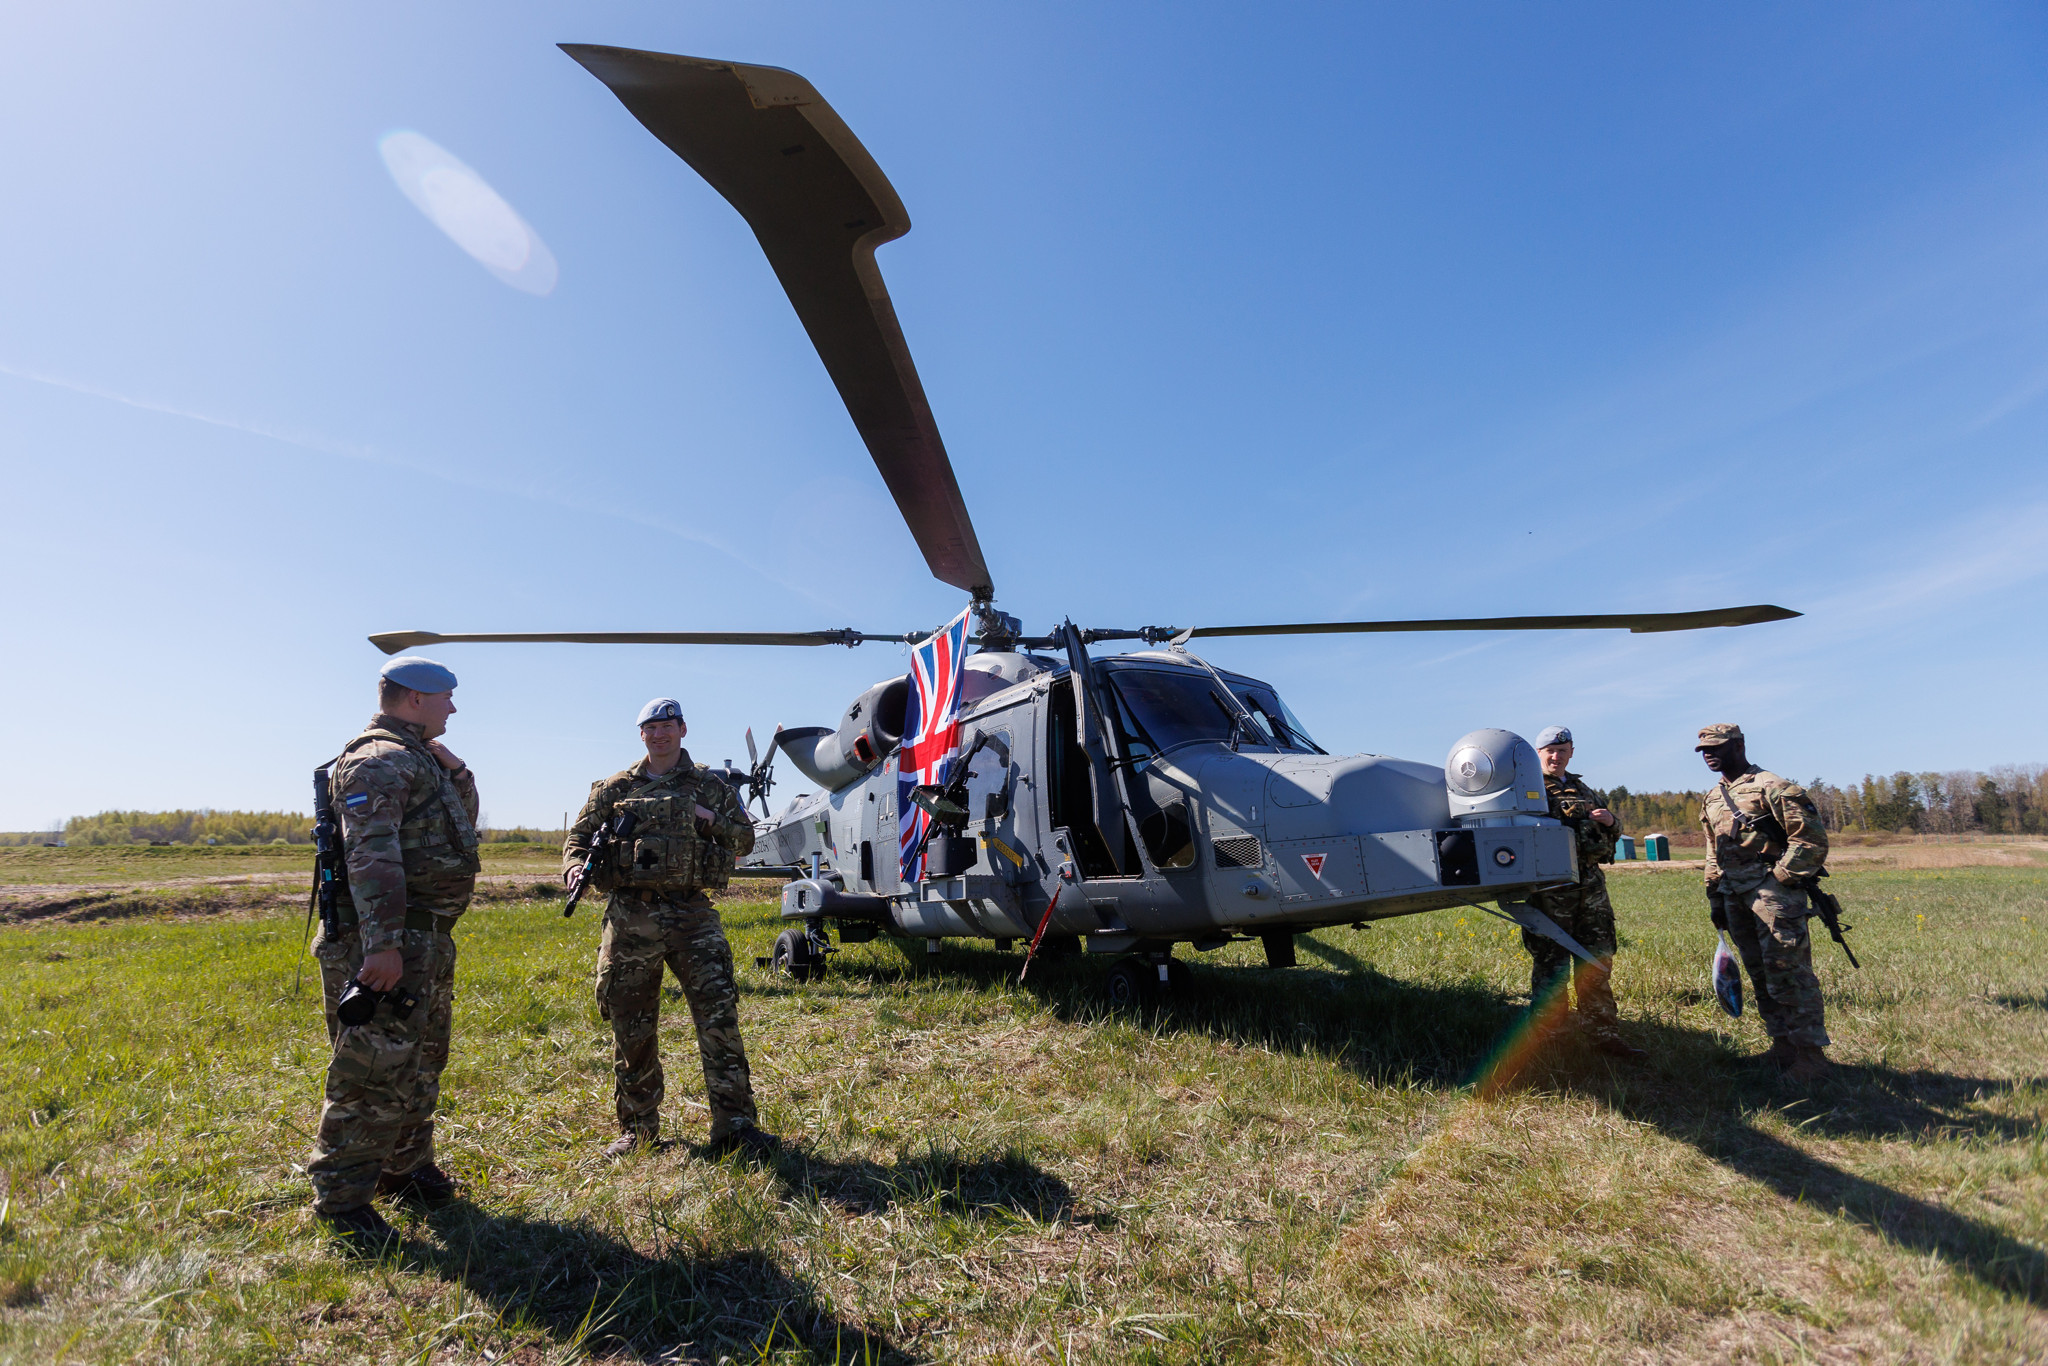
(2009,800)
(206,826)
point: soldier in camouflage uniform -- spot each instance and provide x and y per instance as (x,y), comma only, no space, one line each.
(408,810)
(1581,910)
(1765,840)
(688,828)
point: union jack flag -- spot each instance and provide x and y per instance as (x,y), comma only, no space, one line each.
(931,734)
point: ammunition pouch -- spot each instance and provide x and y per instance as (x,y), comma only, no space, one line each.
(666,853)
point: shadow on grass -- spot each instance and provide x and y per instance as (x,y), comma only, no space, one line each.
(1695,1088)
(1011,1186)
(593,1293)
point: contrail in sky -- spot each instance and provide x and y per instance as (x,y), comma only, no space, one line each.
(369,455)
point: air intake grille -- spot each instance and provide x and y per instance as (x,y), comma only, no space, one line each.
(1240,852)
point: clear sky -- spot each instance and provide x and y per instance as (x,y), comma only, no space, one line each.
(1228,313)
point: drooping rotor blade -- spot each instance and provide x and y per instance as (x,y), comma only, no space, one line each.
(391,642)
(1638,622)
(767,141)
(753,755)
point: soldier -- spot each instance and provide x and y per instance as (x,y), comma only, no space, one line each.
(688,828)
(1764,842)
(408,811)
(1582,909)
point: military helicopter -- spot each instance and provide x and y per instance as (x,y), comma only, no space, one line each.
(1119,805)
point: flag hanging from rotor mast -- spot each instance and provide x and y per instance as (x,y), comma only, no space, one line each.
(931,734)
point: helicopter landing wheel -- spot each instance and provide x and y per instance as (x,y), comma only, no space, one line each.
(796,958)
(1131,984)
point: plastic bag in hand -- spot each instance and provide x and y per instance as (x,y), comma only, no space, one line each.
(1727,978)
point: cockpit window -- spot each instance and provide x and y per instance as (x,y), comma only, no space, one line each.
(1159,709)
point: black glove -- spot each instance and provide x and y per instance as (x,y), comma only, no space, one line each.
(1717,910)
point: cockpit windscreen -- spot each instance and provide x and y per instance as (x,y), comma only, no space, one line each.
(1160,709)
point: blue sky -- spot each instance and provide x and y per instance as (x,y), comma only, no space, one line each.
(1228,314)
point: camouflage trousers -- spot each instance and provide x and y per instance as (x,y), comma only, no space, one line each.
(639,937)
(384,1077)
(1768,928)
(1583,912)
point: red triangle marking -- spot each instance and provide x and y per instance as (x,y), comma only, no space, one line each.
(1315,863)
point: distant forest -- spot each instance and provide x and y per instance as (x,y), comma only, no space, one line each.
(2008,800)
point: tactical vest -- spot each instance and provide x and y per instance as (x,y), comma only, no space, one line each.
(435,837)
(666,852)
(1575,808)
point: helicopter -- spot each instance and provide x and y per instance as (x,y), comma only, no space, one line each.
(1118,805)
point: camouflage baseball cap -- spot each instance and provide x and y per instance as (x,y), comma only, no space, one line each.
(1720,733)
(1553,735)
(661,709)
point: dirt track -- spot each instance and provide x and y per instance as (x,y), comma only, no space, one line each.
(247,894)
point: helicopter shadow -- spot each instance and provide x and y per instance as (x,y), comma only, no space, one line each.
(1694,1088)
(592,1293)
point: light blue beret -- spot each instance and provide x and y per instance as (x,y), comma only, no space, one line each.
(1553,735)
(661,709)
(420,674)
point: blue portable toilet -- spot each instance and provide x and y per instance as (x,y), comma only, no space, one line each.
(1625,849)
(1657,848)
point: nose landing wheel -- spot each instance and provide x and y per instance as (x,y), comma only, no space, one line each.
(1142,979)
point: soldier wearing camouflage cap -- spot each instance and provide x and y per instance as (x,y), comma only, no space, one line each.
(1582,909)
(408,811)
(1765,841)
(688,828)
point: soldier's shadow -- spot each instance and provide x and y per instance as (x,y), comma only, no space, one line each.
(592,1293)
(1696,1090)
(1006,1187)
(1694,1087)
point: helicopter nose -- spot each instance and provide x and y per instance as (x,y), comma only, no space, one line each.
(1311,797)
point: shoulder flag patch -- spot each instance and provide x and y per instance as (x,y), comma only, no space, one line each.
(356,801)
(1315,863)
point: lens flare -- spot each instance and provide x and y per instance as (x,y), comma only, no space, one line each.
(476,217)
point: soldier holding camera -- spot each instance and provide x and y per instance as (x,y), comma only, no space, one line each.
(678,829)
(407,809)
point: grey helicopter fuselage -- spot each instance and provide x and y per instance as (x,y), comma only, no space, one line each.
(1227,832)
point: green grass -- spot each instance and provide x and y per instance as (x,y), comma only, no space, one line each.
(1280,1166)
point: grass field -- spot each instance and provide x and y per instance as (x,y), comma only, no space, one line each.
(1288,1165)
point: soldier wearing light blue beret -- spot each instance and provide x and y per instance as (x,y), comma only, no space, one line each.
(408,810)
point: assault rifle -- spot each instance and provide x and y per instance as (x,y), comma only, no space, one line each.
(330,866)
(619,827)
(1830,912)
(1824,903)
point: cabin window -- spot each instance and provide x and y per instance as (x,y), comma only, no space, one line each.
(1168,838)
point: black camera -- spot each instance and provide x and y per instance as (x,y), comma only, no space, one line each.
(358,1004)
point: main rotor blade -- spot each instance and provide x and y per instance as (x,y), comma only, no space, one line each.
(391,642)
(1638,622)
(767,141)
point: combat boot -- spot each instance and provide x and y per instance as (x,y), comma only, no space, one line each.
(425,1187)
(749,1140)
(1615,1047)
(361,1229)
(1779,1056)
(1809,1063)
(628,1142)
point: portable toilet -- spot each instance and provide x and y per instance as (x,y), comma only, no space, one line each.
(1625,849)
(1657,848)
